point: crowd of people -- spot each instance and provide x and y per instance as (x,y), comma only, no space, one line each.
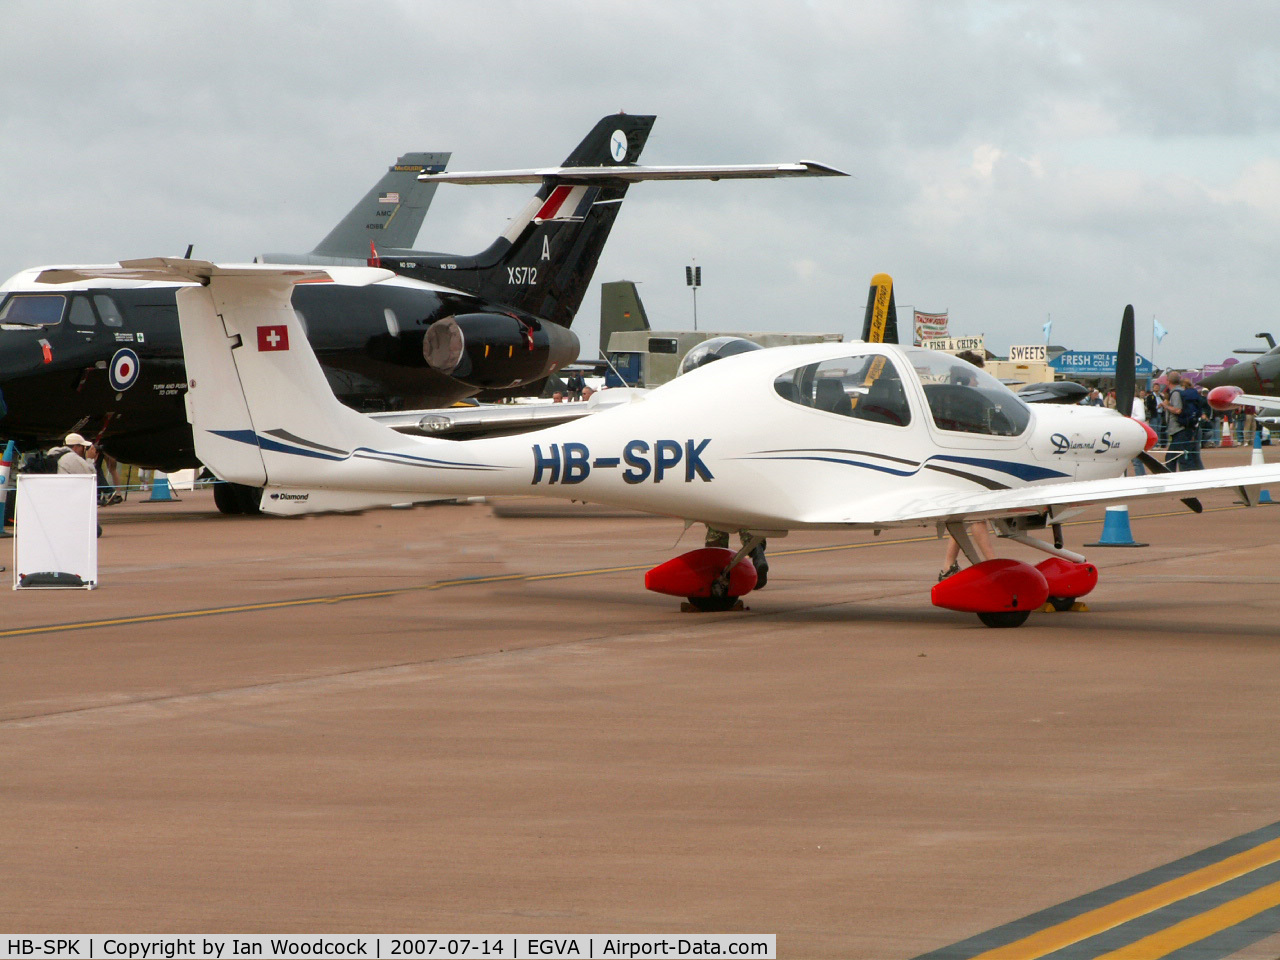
(1179,412)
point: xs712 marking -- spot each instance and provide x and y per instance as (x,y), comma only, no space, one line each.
(522,276)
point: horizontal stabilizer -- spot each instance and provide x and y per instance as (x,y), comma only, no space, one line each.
(180,270)
(500,418)
(636,173)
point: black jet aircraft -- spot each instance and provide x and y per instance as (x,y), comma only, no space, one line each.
(1260,376)
(95,356)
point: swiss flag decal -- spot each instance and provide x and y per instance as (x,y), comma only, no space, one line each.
(275,337)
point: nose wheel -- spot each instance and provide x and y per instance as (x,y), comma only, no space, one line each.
(714,604)
(715,578)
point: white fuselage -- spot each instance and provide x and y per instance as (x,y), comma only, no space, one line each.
(724,445)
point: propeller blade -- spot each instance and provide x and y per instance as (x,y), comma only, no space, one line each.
(1151,463)
(1126,377)
(1155,466)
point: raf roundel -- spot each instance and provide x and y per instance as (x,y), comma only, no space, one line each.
(124,370)
(618,146)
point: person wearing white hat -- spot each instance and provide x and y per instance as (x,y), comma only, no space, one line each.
(79,456)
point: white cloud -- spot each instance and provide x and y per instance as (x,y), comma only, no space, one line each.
(1011,158)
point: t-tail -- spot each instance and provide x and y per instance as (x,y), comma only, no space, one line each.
(543,262)
(263,414)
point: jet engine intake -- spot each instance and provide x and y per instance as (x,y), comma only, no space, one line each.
(494,351)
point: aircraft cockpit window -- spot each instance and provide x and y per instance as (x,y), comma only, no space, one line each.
(108,310)
(38,310)
(864,388)
(81,313)
(965,398)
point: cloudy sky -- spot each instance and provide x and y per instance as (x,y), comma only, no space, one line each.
(1011,161)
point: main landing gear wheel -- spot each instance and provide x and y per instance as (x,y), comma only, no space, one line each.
(718,602)
(236,498)
(761,563)
(1062,604)
(714,604)
(1005,618)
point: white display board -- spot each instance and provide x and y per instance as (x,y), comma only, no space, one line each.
(57,530)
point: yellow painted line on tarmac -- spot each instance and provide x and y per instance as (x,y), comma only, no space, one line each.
(1194,929)
(461,582)
(1112,915)
(376,594)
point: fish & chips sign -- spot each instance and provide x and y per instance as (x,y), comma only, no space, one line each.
(958,344)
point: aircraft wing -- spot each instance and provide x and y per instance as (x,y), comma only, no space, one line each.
(1030,500)
(494,418)
(636,173)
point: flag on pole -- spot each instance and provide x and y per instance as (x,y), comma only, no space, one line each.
(1048,325)
(1159,331)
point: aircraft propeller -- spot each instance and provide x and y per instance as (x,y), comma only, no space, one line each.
(1126,387)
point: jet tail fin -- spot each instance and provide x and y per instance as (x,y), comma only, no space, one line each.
(389,215)
(543,262)
(880,324)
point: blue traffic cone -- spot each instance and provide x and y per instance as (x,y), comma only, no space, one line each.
(1115,530)
(161,492)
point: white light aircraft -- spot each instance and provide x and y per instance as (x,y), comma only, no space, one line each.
(814,437)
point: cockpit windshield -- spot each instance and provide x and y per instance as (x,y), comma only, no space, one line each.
(864,387)
(33,310)
(966,399)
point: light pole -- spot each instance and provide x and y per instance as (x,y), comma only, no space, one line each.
(693,280)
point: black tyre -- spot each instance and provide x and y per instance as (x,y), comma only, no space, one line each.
(1062,604)
(236,498)
(713,604)
(1005,618)
(250,499)
(225,499)
(761,563)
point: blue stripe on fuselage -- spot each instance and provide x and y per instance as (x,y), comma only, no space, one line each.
(1023,471)
(268,443)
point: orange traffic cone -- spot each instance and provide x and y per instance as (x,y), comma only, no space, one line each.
(1228,440)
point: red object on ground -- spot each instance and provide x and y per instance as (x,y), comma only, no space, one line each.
(993,586)
(1068,579)
(691,574)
